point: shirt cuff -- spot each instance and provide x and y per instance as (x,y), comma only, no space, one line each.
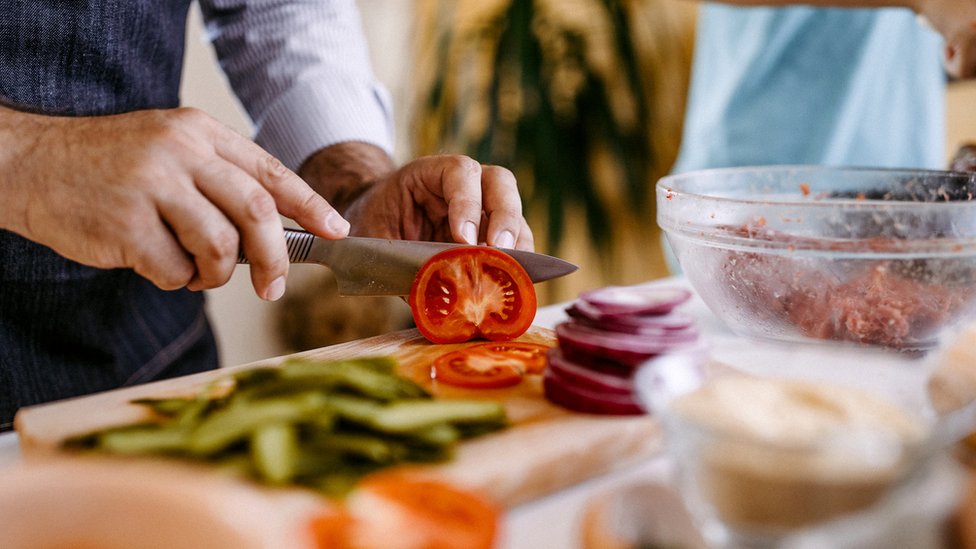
(313,115)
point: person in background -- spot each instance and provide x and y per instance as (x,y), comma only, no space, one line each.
(842,83)
(119,207)
(825,85)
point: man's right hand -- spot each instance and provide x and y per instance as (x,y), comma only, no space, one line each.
(172,194)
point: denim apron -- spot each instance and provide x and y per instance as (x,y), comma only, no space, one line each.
(67,329)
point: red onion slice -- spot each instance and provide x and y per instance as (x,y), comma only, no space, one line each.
(642,300)
(582,376)
(597,363)
(674,321)
(562,392)
(578,340)
(670,320)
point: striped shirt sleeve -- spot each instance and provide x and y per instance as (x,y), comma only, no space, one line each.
(302,71)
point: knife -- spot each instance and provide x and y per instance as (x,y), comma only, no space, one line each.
(378,266)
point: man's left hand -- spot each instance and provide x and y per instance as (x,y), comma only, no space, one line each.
(439,198)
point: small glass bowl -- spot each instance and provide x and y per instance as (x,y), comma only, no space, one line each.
(771,485)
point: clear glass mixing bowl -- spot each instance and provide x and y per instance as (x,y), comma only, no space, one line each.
(810,253)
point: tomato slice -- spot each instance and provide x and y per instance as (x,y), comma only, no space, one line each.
(396,511)
(476,371)
(472,291)
(533,356)
(333,530)
(490,365)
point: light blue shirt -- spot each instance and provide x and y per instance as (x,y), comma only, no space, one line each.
(803,85)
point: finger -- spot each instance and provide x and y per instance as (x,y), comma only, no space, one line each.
(483,233)
(293,197)
(251,210)
(206,234)
(526,240)
(157,256)
(460,179)
(503,205)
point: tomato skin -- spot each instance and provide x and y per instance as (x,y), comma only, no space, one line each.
(472,291)
(490,365)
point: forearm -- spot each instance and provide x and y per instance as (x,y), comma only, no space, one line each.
(19,136)
(342,172)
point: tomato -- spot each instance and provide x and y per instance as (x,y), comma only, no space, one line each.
(490,365)
(436,514)
(392,510)
(472,291)
(532,355)
(333,530)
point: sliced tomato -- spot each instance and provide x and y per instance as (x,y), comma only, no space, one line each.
(489,365)
(472,291)
(397,511)
(530,357)
(333,530)
(477,371)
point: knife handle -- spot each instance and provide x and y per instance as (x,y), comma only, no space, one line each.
(299,243)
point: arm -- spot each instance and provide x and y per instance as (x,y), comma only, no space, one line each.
(175,199)
(302,70)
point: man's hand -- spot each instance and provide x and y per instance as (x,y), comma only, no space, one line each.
(172,194)
(443,198)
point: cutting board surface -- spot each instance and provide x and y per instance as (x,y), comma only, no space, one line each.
(547,448)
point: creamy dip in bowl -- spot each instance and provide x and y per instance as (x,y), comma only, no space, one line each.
(759,459)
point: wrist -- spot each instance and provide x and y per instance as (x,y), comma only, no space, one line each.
(344,171)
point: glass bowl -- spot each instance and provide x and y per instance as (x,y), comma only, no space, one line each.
(809,253)
(787,462)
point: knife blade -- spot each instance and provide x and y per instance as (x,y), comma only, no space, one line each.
(377,266)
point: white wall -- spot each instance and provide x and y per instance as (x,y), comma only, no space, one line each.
(960,115)
(244,323)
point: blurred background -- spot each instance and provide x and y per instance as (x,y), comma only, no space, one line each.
(582,102)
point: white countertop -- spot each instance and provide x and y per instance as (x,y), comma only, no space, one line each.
(554,520)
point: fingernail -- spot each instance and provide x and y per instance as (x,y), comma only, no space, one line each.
(470,233)
(275,290)
(337,224)
(505,240)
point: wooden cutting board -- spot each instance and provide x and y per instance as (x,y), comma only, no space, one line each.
(547,448)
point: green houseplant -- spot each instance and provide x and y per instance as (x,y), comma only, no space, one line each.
(582,99)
